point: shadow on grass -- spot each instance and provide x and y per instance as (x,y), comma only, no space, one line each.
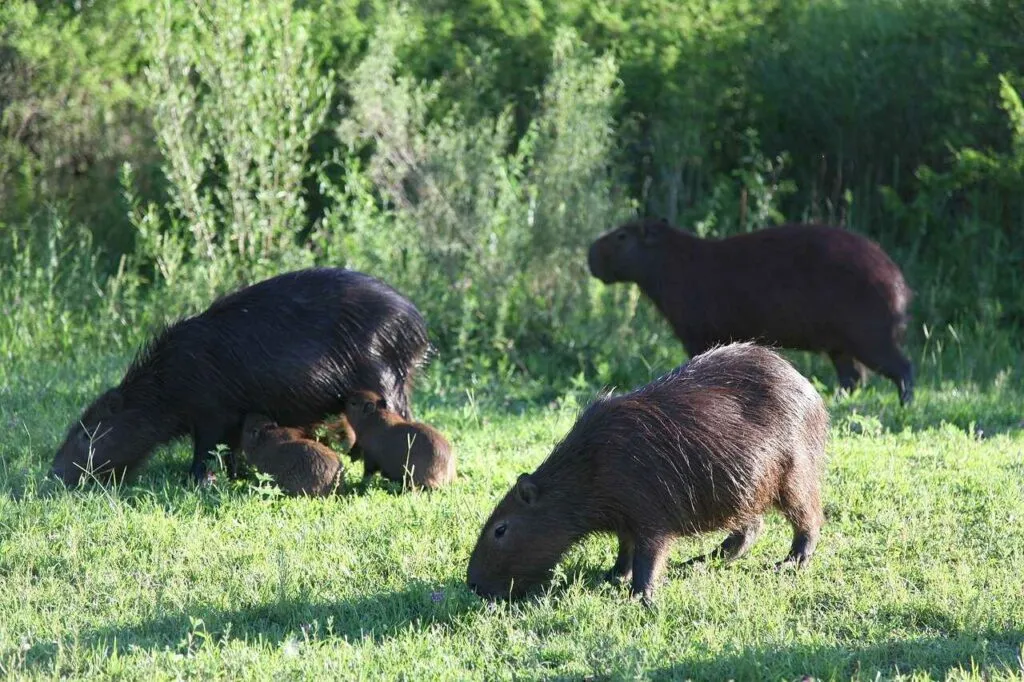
(986,653)
(377,617)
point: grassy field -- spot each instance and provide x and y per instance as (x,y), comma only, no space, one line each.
(918,574)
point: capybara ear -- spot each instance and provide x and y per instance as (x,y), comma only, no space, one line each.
(651,231)
(526,490)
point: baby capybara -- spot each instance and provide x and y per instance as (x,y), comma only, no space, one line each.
(291,347)
(806,287)
(401,450)
(299,466)
(709,446)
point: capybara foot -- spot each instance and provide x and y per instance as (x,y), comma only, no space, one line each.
(801,551)
(648,565)
(623,568)
(616,577)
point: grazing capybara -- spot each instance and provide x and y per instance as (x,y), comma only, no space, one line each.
(806,287)
(291,347)
(299,466)
(400,450)
(710,446)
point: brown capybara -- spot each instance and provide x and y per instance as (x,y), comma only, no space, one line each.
(710,446)
(404,451)
(336,428)
(806,287)
(299,466)
(291,347)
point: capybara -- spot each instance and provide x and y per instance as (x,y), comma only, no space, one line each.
(400,450)
(806,287)
(710,446)
(291,347)
(299,466)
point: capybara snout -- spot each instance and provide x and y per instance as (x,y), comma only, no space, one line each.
(103,441)
(710,446)
(616,255)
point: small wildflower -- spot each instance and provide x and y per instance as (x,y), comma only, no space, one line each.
(437,597)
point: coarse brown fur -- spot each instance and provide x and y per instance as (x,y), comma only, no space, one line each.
(299,466)
(806,287)
(710,446)
(410,452)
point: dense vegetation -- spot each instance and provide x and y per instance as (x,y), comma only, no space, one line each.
(468,151)
(153,155)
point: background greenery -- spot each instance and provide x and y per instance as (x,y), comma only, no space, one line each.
(156,154)
(468,151)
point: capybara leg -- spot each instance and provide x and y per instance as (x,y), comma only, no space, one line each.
(849,371)
(801,504)
(649,558)
(740,541)
(734,546)
(231,464)
(800,552)
(369,468)
(623,568)
(200,452)
(890,362)
(204,443)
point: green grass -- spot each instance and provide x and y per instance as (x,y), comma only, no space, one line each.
(919,573)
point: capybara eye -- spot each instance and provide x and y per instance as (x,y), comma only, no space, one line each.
(500,530)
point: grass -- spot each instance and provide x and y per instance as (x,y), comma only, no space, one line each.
(918,574)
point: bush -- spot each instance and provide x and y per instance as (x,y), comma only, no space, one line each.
(236,99)
(490,242)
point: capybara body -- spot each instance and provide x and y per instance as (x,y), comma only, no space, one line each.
(409,452)
(300,466)
(291,347)
(709,446)
(805,287)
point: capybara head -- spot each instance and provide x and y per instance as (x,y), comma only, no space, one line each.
(521,542)
(622,254)
(362,405)
(254,428)
(107,439)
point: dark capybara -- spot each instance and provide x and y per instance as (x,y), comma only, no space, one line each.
(400,450)
(292,347)
(709,446)
(806,287)
(299,466)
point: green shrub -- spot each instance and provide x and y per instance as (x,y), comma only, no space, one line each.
(490,244)
(236,99)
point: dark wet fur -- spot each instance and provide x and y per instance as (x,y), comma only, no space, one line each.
(300,466)
(806,287)
(408,452)
(291,347)
(711,446)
